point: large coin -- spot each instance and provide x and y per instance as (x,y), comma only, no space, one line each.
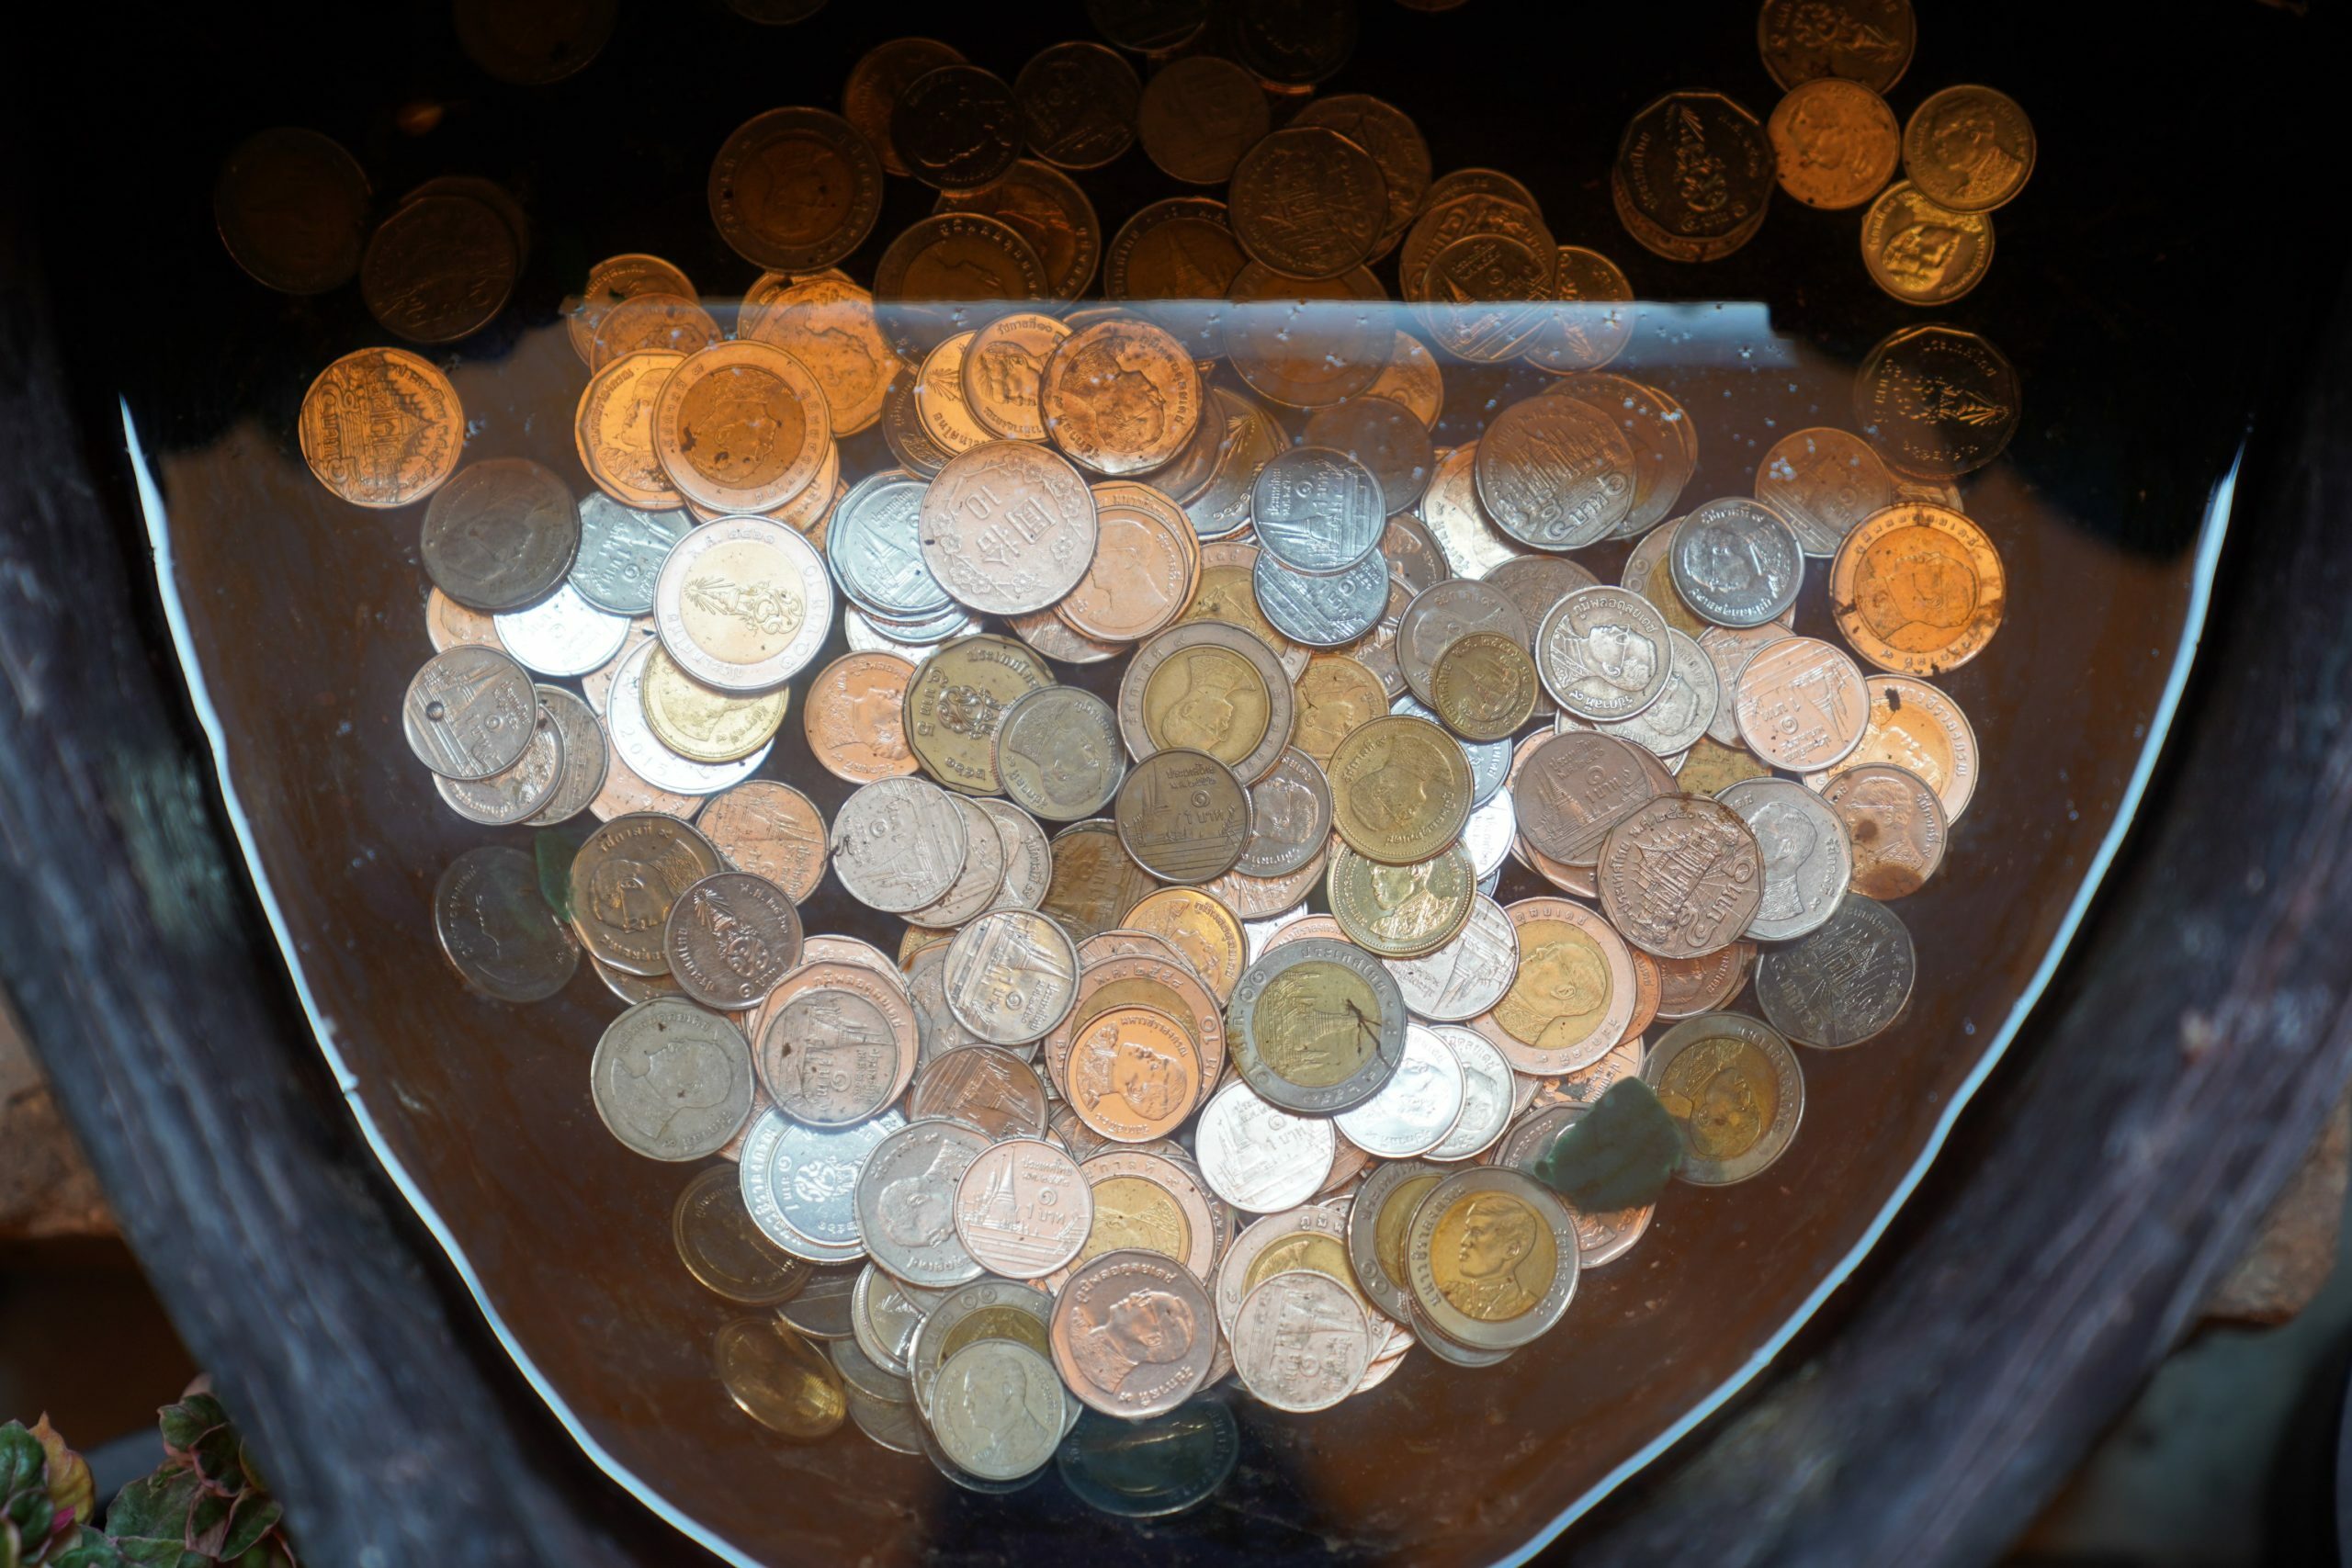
(1258,1156)
(1094,881)
(800,1185)
(955,127)
(1938,402)
(1008,527)
(1554,473)
(612,430)
(1734,1092)
(1491,1257)
(1916,727)
(1121,397)
(1917,588)
(953,272)
(381,427)
(741,427)
(671,1081)
(1133,1335)
(1078,104)
(897,844)
(1401,790)
(743,604)
(958,700)
(1308,201)
(291,205)
(875,546)
(997,1409)
(1198,116)
(1896,824)
(1682,876)
(1308,342)
(1300,1342)
(1212,687)
(1868,41)
(1147,563)
(1845,982)
(1693,175)
(1808,857)
(438,268)
(771,829)
(1011,977)
(624,880)
(497,931)
(906,1201)
(1573,787)
(837,1043)
(795,189)
(1318,1026)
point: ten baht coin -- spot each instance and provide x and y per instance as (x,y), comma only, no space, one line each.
(1733,1087)
(1317,1026)
(743,604)
(1491,1258)
(671,1081)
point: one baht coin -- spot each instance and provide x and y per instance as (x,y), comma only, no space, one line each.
(730,938)
(976,886)
(1317,510)
(1182,815)
(985,1087)
(1317,1026)
(1823,483)
(1417,1108)
(1573,995)
(1917,589)
(1491,1257)
(905,1198)
(381,427)
(1733,1087)
(671,1081)
(1290,818)
(1682,876)
(1402,911)
(469,712)
(741,427)
(1021,1209)
(1210,687)
(624,879)
(1134,1334)
(1059,753)
(1401,790)
(622,547)
(1683,713)
(899,844)
(1844,983)
(1011,977)
(1008,527)
(837,1043)
(958,702)
(1259,1157)
(1300,1342)
(771,829)
(1802,705)
(874,542)
(742,604)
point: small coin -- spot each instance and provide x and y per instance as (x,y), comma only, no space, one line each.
(497,931)
(648,756)
(837,1043)
(1022,1210)
(1802,705)
(613,432)
(1440,616)
(1682,876)
(777,1378)
(985,1309)
(584,754)
(1968,149)
(1008,527)
(795,189)
(730,937)
(955,127)
(854,718)
(1458,520)
(1921,253)
(1683,713)
(1490,1094)
(1198,116)
(906,1196)
(1401,790)
(1011,975)
(290,206)
(1121,395)
(518,794)
(449,623)
(1736,562)
(1401,911)
(1258,1156)
(1835,143)
(976,886)
(1336,610)
(1843,984)
(742,605)
(943,404)
(621,551)
(1917,588)
(1078,103)
(469,712)
(1058,752)
(1491,1257)
(1182,815)
(985,1087)
(897,844)
(671,1081)
(1396,146)
(997,1409)
(381,427)
(1290,818)
(1938,402)
(873,545)
(1808,856)
(724,1250)
(1604,654)
(1704,984)
(1484,686)
(816,1219)
(957,705)
(1646,572)
(1823,483)
(611,281)
(1601,1237)
(1134,1334)
(1896,823)
(1733,1087)
(438,268)
(1918,728)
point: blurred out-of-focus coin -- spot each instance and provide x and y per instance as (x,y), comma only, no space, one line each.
(795,189)
(1592,317)
(1396,146)
(1917,589)
(1835,143)
(1898,825)
(1308,342)
(612,280)
(671,1080)
(651,323)
(955,127)
(1968,149)
(724,1250)
(1823,483)
(953,272)
(829,326)
(381,427)
(438,268)
(1078,104)
(449,623)
(1704,984)
(777,1378)
(1734,1090)
(1198,116)
(875,83)
(291,207)
(1868,41)
(1308,202)
(1145,566)
(997,1409)
(497,931)
(1005,372)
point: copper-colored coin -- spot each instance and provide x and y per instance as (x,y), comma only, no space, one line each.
(985,1087)
(381,427)
(1574,995)
(1335,694)
(1682,876)
(771,830)
(942,404)
(1711,767)
(1004,371)
(1918,728)
(1200,929)
(1146,564)
(1094,882)
(1411,379)
(1868,41)
(1921,253)
(439,269)
(449,623)
(875,83)
(725,1252)
(1401,790)
(1046,208)
(1078,104)
(1823,483)
(671,323)
(827,324)
(837,1043)
(1146,979)
(1396,146)
(853,717)
(1835,143)
(956,703)
(625,877)
(1968,149)
(1182,815)
(1917,589)
(1938,401)
(1897,824)
(795,189)
(1484,686)
(614,430)
(1555,473)
(1309,202)
(1198,116)
(730,938)
(950,272)
(1800,703)
(290,206)
(1507,212)
(741,427)
(1308,342)
(1133,1074)
(1175,259)
(1259,897)
(1693,986)
(1693,176)
(955,127)
(1572,789)
(1121,397)
(611,281)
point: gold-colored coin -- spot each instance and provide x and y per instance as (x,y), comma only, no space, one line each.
(1574,993)
(827,324)
(1834,143)
(1921,253)
(1004,373)
(1483,686)
(956,703)
(778,1378)
(1204,932)
(1711,767)
(1401,790)
(1395,1223)
(724,1249)
(1302,1029)
(703,724)
(1121,397)
(646,322)
(1335,694)
(1225,594)
(917,939)
(1402,911)
(614,430)
(1486,1260)
(741,427)
(1207,698)
(1093,883)
(1735,1091)
(1969,148)
(947,418)
(1917,588)
(381,427)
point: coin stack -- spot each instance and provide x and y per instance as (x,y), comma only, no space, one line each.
(1209,1048)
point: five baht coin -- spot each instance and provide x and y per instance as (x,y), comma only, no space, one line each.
(1300,1342)
(381,427)
(958,702)
(1682,876)
(671,1080)
(1733,1087)
(1843,984)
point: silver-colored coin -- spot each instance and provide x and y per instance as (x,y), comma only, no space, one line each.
(1808,858)
(1319,510)
(1511,1255)
(583,757)
(1325,610)
(1252,439)
(1317,1026)
(1844,983)
(897,844)
(637,746)
(976,886)
(985,1309)
(519,794)
(861,1373)
(891,1425)
(469,712)
(906,1203)
(497,930)
(1603,653)
(1468,974)
(997,1410)
(935,1024)
(1008,527)
(836,1044)
(500,534)
(873,543)
(1258,1156)
(671,1080)
(1736,561)
(1300,1342)
(1028,856)
(800,1182)
(1728,650)
(621,552)
(885,1315)
(822,1309)
(1802,705)
(1413,554)
(1443,616)
(1555,473)
(1492,830)
(1417,1107)
(1058,754)
(1290,816)
(1490,760)
(743,604)
(866,635)
(1719,1058)
(1022,1208)
(563,634)
(1489,1093)
(730,938)
(1684,712)
(1011,975)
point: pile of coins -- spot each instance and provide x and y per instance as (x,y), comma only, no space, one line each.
(1125,1115)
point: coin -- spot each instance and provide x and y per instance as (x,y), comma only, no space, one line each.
(1078,104)
(1601,1237)
(1968,149)
(1308,201)
(1646,573)
(1802,705)
(1843,984)
(1682,876)
(1198,116)
(624,880)
(1923,253)
(1120,397)
(1318,1026)
(1290,818)
(1133,1074)
(1394,143)
(1868,41)
(1402,911)
(381,427)
(1704,984)
(1808,857)
(996,1409)
(1300,1343)
(1011,975)
(1823,483)
(1918,728)
(1456,519)
(1335,695)
(1491,1257)
(953,272)
(1554,473)
(1736,562)
(1896,822)
(1003,372)
(742,605)
(795,189)
(1937,401)
(671,1081)
(1917,588)
(469,712)
(942,403)
(651,323)
(289,205)
(1134,1334)
(957,705)
(985,1309)
(771,830)
(1670,208)
(837,1043)
(1733,1087)
(1835,144)
(906,1195)
(1021,1209)
(584,753)
(875,83)
(1209,687)
(702,725)
(1093,883)
(613,431)
(1710,768)
(1308,342)
(657,762)
(777,1378)
(1401,790)
(1466,975)
(1045,208)
(724,1250)
(854,718)
(611,281)
(620,553)
(1056,752)
(1258,1156)
(1143,972)
(449,623)
(518,794)
(438,268)
(1419,1106)
(496,930)
(955,127)
(1604,654)
(1007,527)
(1200,929)
(741,427)
(1592,318)
(729,938)
(799,1183)
(1484,686)
(1377,1224)
(1146,564)
(1572,996)
(897,844)
(980,881)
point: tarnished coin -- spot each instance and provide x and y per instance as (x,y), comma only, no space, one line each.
(1121,395)
(1308,342)
(1918,728)
(518,794)
(1134,1334)
(1484,686)
(1300,1342)
(1401,911)
(976,886)
(651,323)
(585,750)
(1308,201)
(1604,654)
(1491,1257)
(1936,402)
(742,604)
(1198,116)
(449,623)
(624,880)
(741,427)
(837,1043)
(438,268)
(1802,705)
(1466,975)
(854,718)
(957,705)
(1573,787)
(469,712)
(1417,1108)
(1396,147)
(771,831)
(1182,815)
(1834,143)
(1732,1086)
(1021,1209)
(613,432)
(1896,823)
(1173,260)
(955,127)
(1682,215)
(1970,149)
(1058,752)
(1335,694)
(611,281)
(1868,41)
(1711,767)
(730,938)
(497,931)
(1554,473)
(875,83)
(906,1203)
(1919,589)
(1210,686)
(500,535)
(996,1409)
(795,189)
(1736,562)
(1440,616)
(1318,1026)
(953,272)
(1704,984)
(1921,253)
(671,1081)
(778,1378)
(724,1250)
(290,206)
(1808,858)
(1682,876)
(1843,984)
(1573,996)
(1008,527)
(621,551)
(381,427)
(1011,975)
(1823,483)
(1078,104)
(1258,1156)
(897,844)
(1093,883)
(1046,209)
(1400,789)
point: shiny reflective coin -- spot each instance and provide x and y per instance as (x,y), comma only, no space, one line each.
(1401,790)
(1489,761)
(730,938)
(1484,686)
(1004,370)
(1736,562)
(1916,727)
(1182,815)
(1021,1209)
(976,886)
(470,713)
(1919,589)
(1802,705)
(621,551)
(671,1081)
(1823,483)
(1058,752)
(837,1043)
(1835,144)
(906,1197)
(1604,654)
(1258,1156)
(1573,996)
(1401,911)
(985,1309)
(1212,687)
(874,544)
(1199,929)
(1317,510)
(1417,1108)
(657,762)
(741,427)
(1458,520)
(1735,1091)
(799,1183)
(724,1250)
(996,1409)
(854,718)
(955,127)
(1896,823)
(584,753)
(1491,1258)
(1468,974)
(1682,876)
(563,634)
(1308,201)
(1007,527)
(1134,1334)
(497,931)
(1198,116)
(770,829)
(292,208)
(520,791)
(777,1378)
(743,604)
(1328,611)
(957,704)
(1844,983)
(381,427)
(1921,253)
(1488,1094)
(1300,1342)
(1936,402)
(795,189)
(1683,713)
(897,844)
(438,268)
(1970,149)
(1318,1026)
(1011,975)
(1807,855)
(1120,397)
(1290,816)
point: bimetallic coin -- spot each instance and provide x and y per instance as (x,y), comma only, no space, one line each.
(671,1081)
(1376,1226)
(501,534)
(1896,823)
(1574,995)
(743,604)
(996,1409)
(1438,617)
(985,1309)
(741,427)
(1134,1334)
(777,1378)
(1936,402)
(1484,686)
(953,272)
(1732,1086)
(1736,562)
(1300,1343)
(654,759)
(1011,975)
(1491,1258)
(1843,984)
(1554,473)
(1968,149)
(1258,1156)
(1401,790)
(1682,876)
(1058,752)
(897,844)
(1835,143)
(771,829)
(1212,687)
(1401,911)
(1823,483)
(1802,705)
(1601,1237)
(1917,589)
(1921,253)
(1318,1026)
(1290,818)
(1007,527)
(854,718)
(624,880)
(1419,1106)
(519,793)
(1807,855)
(730,938)
(1021,1209)
(906,1200)
(724,1250)
(496,929)
(1468,974)
(1918,728)
(795,189)
(837,1043)
(1604,654)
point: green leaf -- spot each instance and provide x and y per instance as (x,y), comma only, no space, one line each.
(23,1461)
(215,1458)
(12,1545)
(1619,1155)
(255,1516)
(30,1514)
(69,1483)
(154,1507)
(185,1423)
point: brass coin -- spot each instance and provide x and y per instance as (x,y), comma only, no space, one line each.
(1402,911)
(1923,253)
(1897,824)
(1336,695)
(1484,686)
(1401,790)
(381,427)
(1732,1086)
(649,322)
(1121,397)
(613,430)
(1693,176)
(1968,149)
(1834,143)
(795,189)
(1094,880)
(1712,767)
(778,1378)
(1917,589)
(625,877)
(741,427)
(1868,41)
(827,324)
(1317,1026)
(1573,996)
(855,718)
(875,83)
(942,404)
(1182,815)
(704,725)
(1411,379)
(1491,1257)
(724,1249)
(956,703)
(1937,401)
